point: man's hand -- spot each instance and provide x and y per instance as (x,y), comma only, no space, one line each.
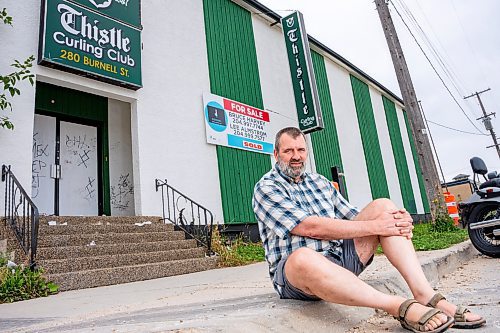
(395,223)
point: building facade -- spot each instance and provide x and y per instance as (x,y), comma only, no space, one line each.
(92,140)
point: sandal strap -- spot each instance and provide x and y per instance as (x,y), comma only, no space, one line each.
(460,314)
(424,319)
(435,300)
(428,316)
(403,308)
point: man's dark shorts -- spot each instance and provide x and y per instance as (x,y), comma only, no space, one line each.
(349,261)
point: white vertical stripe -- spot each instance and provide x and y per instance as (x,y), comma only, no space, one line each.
(384,138)
(351,148)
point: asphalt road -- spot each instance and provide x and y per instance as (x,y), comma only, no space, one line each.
(476,285)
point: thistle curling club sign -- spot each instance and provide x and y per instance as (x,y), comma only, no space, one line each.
(301,70)
(127,11)
(80,39)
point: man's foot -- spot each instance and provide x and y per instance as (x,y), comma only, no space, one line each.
(463,317)
(419,318)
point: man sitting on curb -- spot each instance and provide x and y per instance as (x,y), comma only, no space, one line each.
(314,254)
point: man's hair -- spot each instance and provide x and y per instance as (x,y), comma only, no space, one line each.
(294,132)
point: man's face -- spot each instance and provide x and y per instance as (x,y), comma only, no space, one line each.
(292,155)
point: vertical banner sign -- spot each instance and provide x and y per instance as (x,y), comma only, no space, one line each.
(78,39)
(237,125)
(301,70)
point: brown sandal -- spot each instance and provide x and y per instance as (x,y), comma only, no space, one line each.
(460,321)
(424,320)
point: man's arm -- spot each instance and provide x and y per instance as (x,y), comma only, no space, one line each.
(391,223)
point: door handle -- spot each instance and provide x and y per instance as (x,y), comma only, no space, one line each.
(55,171)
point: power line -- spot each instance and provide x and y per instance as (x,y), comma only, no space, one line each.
(454,129)
(473,51)
(434,68)
(425,38)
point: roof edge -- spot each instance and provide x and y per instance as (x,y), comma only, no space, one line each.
(262,9)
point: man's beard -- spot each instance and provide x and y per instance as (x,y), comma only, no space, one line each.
(292,172)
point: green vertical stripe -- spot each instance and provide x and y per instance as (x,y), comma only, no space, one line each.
(234,73)
(420,178)
(399,155)
(325,142)
(369,138)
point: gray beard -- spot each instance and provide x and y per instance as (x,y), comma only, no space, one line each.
(290,171)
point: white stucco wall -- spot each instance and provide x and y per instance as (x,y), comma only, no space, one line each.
(391,172)
(409,160)
(168,135)
(18,42)
(121,177)
(351,147)
(171,130)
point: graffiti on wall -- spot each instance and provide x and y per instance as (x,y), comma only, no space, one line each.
(122,193)
(39,163)
(90,189)
(80,149)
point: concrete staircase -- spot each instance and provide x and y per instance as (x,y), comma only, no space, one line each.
(84,252)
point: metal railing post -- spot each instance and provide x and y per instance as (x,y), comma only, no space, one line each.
(199,226)
(22,216)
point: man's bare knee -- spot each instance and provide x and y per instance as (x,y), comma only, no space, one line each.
(300,259)
(383,204)
(374,208)
(301,267)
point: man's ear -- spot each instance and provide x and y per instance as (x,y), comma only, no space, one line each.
(275,154)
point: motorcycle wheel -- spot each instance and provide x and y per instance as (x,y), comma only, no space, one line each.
(483,239)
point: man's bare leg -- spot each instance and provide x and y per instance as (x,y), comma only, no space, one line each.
(401,254)
(312,273)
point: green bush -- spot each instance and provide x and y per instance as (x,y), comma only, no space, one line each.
(237,251)
(22,283)
(443,223)
(426,238)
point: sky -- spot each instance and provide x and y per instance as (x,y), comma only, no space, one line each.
(466,35)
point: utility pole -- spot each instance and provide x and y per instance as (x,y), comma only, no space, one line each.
(425,158)
(433,146)
(487,120)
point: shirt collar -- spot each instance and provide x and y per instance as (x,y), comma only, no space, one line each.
(288,178)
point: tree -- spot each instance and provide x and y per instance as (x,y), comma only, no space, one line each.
(22,72)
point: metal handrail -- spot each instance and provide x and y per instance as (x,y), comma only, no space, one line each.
(194,219)
(21,214)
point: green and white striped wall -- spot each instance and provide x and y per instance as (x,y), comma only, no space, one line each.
(365,129)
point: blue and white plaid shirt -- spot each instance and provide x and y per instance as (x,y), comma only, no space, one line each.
(280,205)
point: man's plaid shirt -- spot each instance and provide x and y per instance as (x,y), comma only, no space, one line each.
(280,204)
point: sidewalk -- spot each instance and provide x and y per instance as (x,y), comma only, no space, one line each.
(239,299)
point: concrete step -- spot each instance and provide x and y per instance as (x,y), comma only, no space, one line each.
(124,274)
(66,252)
(102,228)
(109,238)
(71,220)
(57,266)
